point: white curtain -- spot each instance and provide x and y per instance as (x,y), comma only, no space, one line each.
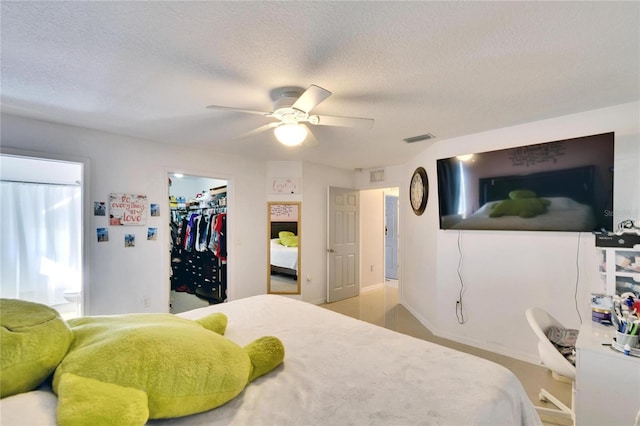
(40,236)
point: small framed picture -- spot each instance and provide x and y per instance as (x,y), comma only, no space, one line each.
(99,208)
(152,233)
(129,240)
(103,235)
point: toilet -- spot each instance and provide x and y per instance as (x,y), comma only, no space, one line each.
(73,295)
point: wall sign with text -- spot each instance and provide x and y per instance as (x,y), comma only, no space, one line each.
(285,185)
(284,212)
(127,209)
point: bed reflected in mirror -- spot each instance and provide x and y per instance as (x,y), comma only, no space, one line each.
(284,246)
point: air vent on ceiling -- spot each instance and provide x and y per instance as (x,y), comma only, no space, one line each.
(420,138)
(376,175)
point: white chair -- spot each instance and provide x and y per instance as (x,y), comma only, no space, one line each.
(540,321)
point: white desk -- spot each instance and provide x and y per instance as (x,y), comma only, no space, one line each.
(607,382)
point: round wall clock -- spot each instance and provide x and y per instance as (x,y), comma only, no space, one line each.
(419,191)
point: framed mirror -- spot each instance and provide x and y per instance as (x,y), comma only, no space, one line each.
(284,247)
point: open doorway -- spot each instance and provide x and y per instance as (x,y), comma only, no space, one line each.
(198,265)
(379,238)
(41,228)
(391,236)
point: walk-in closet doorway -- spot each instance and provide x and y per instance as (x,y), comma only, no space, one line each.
(198,241)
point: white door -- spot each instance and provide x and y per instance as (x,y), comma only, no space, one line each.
(391,237)
(343,279)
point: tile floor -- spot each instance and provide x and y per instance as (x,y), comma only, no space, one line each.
(182,302)
(380,307)
(283,283)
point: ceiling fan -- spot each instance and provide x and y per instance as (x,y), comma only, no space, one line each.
(291,108)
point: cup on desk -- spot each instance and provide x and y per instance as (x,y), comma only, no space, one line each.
(627,339)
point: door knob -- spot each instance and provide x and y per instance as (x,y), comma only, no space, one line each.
(330,250)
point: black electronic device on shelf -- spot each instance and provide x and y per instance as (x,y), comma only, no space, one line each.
(615,240)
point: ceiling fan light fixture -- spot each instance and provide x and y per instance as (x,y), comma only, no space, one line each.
(291,134)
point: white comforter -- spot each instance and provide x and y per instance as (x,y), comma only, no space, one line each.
(563,214)
(340,371)
(284,257)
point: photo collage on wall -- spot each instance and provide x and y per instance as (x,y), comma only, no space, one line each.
(126,210)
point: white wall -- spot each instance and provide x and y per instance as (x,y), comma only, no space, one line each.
(128,279)
(313,192)
(315,183)
(393,176)
(122,279)
(190,186)
(371,238)
(506,272)
(277,171)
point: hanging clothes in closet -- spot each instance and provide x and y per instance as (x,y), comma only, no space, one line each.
(199,256)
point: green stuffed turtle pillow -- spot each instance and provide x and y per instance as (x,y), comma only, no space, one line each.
(34,339)
(523,203)
(127,369)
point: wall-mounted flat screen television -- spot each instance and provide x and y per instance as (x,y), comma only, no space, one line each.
(565,185)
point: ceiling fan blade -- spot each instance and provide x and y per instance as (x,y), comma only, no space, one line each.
(329,120)
(311,98)
(258,130)
(310,140)
(248,111)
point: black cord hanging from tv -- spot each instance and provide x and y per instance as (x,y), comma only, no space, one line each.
(459,308)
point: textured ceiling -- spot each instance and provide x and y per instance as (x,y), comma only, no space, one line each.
(148,69)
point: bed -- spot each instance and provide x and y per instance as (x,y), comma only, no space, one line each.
(563,214)
(572,193)
(339,371)
(283,260)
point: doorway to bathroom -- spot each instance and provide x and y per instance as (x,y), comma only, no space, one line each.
(41,228)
